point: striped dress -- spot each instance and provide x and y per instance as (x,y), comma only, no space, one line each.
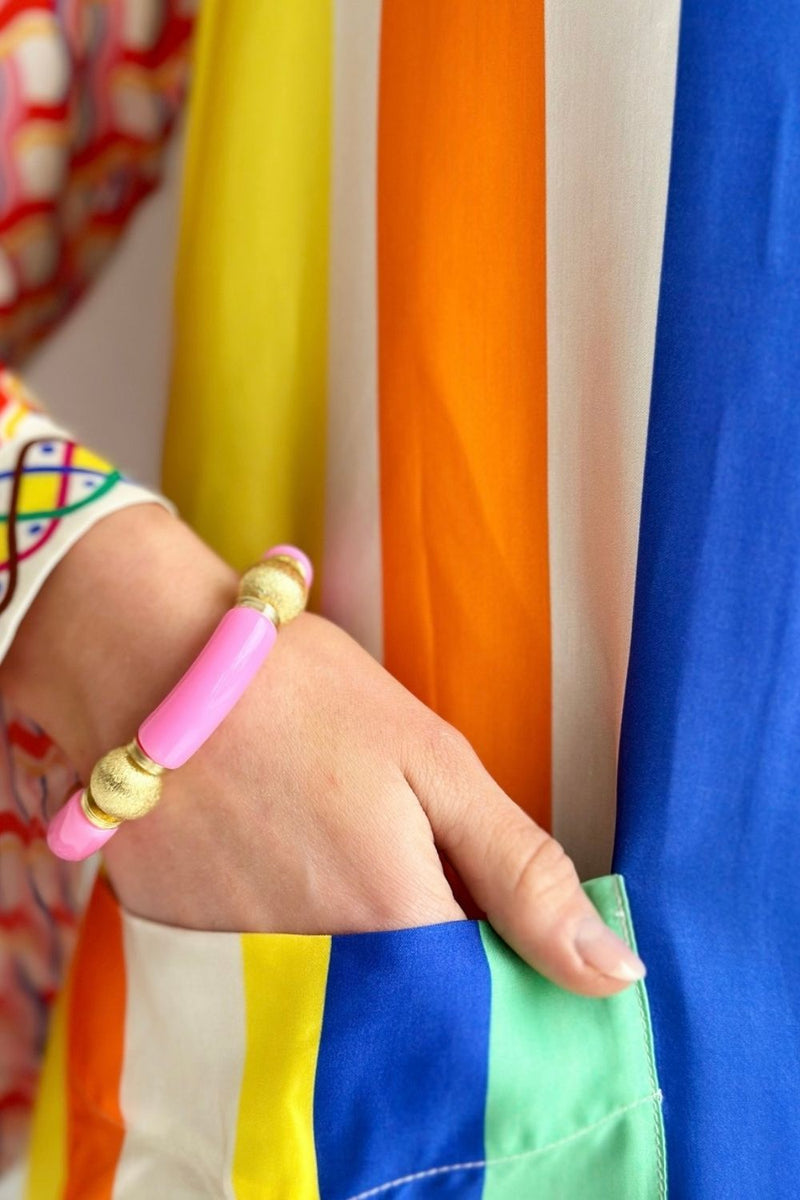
(495,308)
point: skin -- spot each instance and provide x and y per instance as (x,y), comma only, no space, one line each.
(323,800)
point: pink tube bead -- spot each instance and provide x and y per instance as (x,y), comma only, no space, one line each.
(293,552)
(205,695)
(71,835)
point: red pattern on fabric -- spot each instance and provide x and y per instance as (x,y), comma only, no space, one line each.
(40,903)
(89,92)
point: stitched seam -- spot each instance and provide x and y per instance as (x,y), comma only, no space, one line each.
(479,1164)
(648,1047)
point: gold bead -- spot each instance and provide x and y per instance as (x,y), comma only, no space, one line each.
(96,815)
(124,784)
(276,587)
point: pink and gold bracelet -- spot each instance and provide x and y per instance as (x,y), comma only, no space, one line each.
(126,783)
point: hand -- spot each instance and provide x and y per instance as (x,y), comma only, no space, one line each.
(319,804)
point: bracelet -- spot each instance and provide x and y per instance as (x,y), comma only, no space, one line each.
(126,783)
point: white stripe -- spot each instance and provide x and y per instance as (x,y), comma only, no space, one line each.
(610,95)
(351,581)
(184,1056)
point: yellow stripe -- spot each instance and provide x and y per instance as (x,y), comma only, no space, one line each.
(244,456)
(284,982)
(47,1168)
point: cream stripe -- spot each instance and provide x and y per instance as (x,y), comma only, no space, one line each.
(351,584)
(184,1060)
(610,91)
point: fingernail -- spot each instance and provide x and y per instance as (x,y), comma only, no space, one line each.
(599,947)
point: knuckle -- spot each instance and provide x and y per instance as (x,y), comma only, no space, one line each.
(447,751)
(444,771)
(544,874)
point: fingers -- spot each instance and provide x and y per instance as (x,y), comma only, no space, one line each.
(518,874)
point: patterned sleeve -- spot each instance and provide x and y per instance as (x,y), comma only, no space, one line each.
(52,489)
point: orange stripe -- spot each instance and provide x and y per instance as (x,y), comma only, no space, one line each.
(462,369)
(95,1127)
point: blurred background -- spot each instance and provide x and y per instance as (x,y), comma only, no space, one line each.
(104,372)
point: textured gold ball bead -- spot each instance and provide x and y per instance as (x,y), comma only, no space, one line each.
(276,584)
(121,787)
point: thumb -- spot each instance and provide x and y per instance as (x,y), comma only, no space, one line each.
(519,875)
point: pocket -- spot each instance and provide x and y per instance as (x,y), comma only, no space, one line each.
(408,1065)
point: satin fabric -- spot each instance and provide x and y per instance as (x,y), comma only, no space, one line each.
(708,835)
(414,1063)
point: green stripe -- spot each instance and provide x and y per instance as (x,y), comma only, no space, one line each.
(46,513)
(573,1110)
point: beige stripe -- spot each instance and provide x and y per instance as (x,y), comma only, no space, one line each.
(184,1058)
(610,92)
(351,583)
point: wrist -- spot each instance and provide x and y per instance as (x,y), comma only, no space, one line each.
(114,626)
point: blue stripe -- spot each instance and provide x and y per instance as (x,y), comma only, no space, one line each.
(709,822)
(403,1062)
(58,469)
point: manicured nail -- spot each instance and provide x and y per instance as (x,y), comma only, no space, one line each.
(599,947)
